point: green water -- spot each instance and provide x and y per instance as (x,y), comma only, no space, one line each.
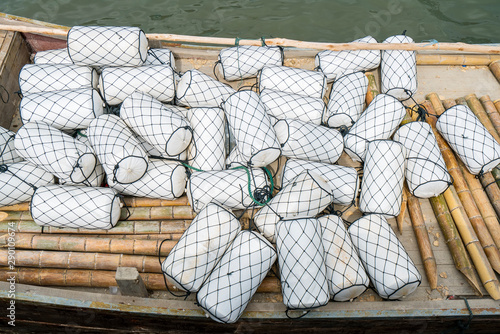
(312,20)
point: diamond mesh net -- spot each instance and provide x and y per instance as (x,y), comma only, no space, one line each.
(242,62)
(292,80)
(425,171)
(284,105)
(301,259)
(55,152)
(57,56)
(334,64)
(201,247)
(107,46)
(64,110)
(75,207)
(8,152)
(160,57)
(389,266)
(383,177)
(117,148)
(347,279)
(470,140)
(379,121)
(346,100)
(308,141)
(235,279)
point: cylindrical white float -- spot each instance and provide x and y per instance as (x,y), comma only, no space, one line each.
(207,149)
(470,140)
(8,152)
(343,180)
(37,78)
(55,152)
(168,131)
(56,56)
(398,70)
(228,188)
(163,179)
(334,64)
(75,207)
(304,196)
(107,46)
(117,83)
(197,89)
(160,57)
(230,287)
(307,141)
(293,80)
(242,62)
(347,279)
(64,110)
(383,177)
(346,100)
(389,266)
(252,129)
(425,171)
(17,182)
(284,105)
(379,121)
(117,148)
(301,259)
(201,247)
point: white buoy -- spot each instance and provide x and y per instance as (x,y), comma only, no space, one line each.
(347,98)
(201,247)
(304,196)
(117,148)
(307,141)
(197,89)
(117,83)
(469,139)
(379,121)
(425,171)
(343,180)
(65,110)
(8,152)
(17,182)
(389,266)
(398,70)
(160,57)
(75,207)
(107,46)
(163,180)
(55,152)
(37,78)
(301,260)
(252,129)
(56,56)
(383,177)
(293,80)
(232,284)
(284,105)
(230,188)
(334,64)
(347,279)
(207,149)
(242,62)
(166,130)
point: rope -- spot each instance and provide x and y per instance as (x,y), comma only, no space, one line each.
(1,96)
(165,279)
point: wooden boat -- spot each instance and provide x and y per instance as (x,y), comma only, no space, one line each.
(85,299)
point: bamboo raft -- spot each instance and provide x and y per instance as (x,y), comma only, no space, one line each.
(453,239)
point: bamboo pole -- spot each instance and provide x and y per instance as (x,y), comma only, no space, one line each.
(424,244)
(90,244)
(478,110)
(497,105)
(461,47)
(474,221)
(81,260)
(491,111)
(102,279)
(454,242)
(456,59)
(495,69)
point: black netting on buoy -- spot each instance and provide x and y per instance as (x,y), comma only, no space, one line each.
(389,266)
(75,207)
(160,57)
(469,139)
(56,56)
(8,152)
